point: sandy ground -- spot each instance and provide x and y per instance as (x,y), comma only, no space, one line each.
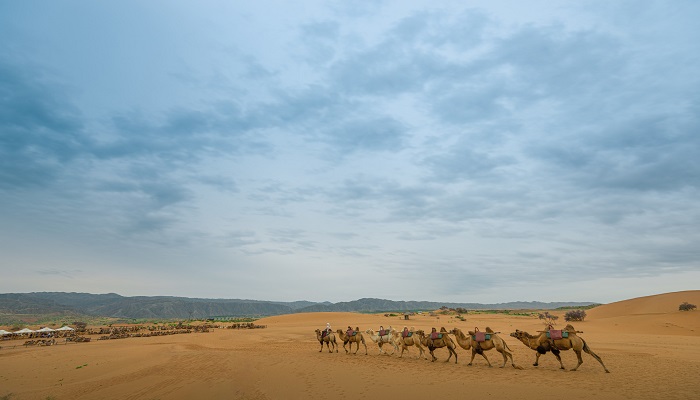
(651,349)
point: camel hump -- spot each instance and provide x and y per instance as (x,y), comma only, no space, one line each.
(488,330)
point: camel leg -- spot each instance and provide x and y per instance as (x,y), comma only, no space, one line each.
(594,355)
(403,347)
(561,364)
(452,351)
(580,360)
(321,341)
(505,357)
(474,353)
(483,354)
(510,355)
(432,354)
(364,344)
(345,348)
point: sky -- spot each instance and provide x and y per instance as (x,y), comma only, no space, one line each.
(455,151)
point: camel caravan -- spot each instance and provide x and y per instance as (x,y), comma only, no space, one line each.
(477,341)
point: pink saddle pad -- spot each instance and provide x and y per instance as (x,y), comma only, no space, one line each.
(555,334)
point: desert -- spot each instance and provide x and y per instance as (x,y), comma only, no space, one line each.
(650,347)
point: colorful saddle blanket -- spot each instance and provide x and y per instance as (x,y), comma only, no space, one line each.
(383,332)
(350,332)
(556,334)
(435,335)
(481,336)
(324,333)
(406,334)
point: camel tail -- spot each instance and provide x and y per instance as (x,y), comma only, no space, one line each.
(505,344)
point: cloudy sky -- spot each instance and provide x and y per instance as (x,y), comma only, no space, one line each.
(332,150)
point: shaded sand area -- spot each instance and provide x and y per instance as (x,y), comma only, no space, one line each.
(651,349)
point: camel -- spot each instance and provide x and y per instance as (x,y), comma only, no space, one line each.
(495,342)
(542,344)
(381,340)
(329,340)
(412,340)
(357,339)
(432,344)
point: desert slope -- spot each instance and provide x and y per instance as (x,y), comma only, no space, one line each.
(666,303)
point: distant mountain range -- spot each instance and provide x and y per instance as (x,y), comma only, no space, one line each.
(168,307)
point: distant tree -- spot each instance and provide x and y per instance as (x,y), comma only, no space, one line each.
(575,315)
(687,306)
(549,319)
(461,310)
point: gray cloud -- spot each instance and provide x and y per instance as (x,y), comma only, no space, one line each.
(394,140)
(41,130)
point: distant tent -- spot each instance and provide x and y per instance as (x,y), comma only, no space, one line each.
(4,332)
(65,328)
(45,329)
(25,330)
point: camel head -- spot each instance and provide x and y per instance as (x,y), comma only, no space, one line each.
(455,331)
(518,334)
(318,331)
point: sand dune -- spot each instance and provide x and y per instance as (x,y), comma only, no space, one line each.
(651,349)
(666,303)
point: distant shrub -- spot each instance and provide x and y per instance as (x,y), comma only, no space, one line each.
(575,315)
(687,306)
(461,310)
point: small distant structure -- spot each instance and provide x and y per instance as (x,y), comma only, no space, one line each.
(406,315)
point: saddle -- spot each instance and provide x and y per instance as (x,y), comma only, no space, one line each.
(481,336)
(351,333)
(383,332)
(406,334)
(324,333)
(556,334)
(435,335)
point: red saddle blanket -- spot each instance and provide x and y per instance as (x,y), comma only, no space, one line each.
(556,334)
(436,335)
(481,336)
(406,334)
(351,333)
(383,332)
